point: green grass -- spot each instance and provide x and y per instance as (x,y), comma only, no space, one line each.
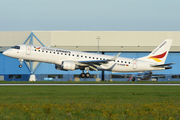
(89,94)
(89,102)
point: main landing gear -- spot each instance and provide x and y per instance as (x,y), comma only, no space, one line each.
(21,60)
(85,75)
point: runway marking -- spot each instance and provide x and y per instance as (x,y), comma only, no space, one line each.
(87,84)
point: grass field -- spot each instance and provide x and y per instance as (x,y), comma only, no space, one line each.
(90,102)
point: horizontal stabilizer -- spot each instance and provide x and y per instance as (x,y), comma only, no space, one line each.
(166,66)
(162,65)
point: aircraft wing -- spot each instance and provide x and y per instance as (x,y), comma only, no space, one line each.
(96,63)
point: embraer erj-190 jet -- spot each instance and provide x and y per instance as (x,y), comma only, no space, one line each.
(71,60)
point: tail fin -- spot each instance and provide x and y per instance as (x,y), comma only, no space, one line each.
(159,54)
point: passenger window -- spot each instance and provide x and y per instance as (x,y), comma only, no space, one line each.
(81,56)
(69,54)
(97,58)
(54,52)
(61,53)
(121,61)
(93,57)
(85,56)
(90,57)
(57,53)
(73,55)
(39,50)
(118,61)
(46,51)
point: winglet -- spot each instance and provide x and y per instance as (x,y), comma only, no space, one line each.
(114,58)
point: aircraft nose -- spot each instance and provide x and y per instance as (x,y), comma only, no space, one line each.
(5,52)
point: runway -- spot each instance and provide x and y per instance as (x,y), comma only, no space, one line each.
(88,84)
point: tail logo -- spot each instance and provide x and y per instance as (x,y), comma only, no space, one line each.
(38,48)
(158,57)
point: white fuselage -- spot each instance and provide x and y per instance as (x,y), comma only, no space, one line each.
(57,56)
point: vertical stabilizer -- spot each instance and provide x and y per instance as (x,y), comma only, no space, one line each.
(159,54)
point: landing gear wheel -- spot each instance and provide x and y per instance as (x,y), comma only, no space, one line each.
(20,66)
(82,75)
(133,79)
(87,75)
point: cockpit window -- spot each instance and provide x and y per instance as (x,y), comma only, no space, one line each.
(16,47)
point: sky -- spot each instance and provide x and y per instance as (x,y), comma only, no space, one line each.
(89,15)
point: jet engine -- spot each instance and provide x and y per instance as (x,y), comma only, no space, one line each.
(66,65)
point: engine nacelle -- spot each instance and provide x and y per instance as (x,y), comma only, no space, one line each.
(66,65)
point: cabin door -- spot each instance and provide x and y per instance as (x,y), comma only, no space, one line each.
(28,49)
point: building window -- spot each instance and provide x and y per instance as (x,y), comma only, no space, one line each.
(120,76)
(14,76)
(175,76)
(55,76)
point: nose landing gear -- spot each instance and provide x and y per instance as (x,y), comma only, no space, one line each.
(20,66)
(21,60)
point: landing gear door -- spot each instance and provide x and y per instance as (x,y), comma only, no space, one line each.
(28,49)
(134,63)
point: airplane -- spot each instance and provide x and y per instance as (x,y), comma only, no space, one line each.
(72,60)
(147,75)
